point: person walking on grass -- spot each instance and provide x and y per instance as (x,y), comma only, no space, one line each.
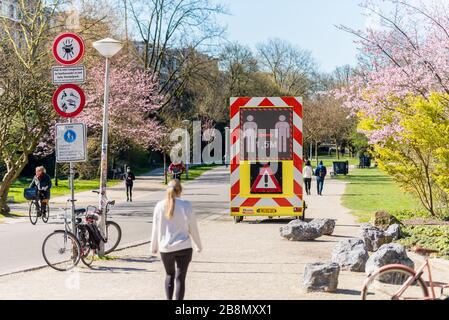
(174,230)
(129,181)
(308,174)
(320,173)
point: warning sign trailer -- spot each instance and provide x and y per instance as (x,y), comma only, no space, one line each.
(266,157)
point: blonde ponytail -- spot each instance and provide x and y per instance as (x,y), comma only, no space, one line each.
(174,190)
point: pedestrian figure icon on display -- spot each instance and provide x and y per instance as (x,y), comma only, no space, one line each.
(70,136)
(250,135)
(283,133)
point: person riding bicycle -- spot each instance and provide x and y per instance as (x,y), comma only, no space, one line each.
(176,169)
(42,182)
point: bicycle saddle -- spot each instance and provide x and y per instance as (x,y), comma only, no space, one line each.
(79,211)
(424,251)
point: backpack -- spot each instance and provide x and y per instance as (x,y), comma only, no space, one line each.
(321,172)
(95,237)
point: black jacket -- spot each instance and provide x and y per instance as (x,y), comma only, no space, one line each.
(129,178)
(43,184)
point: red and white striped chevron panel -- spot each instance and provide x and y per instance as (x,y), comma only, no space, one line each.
(282,102)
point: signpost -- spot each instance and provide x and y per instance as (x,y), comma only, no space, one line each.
(71,142)
(69,101)
(266,157)
(68,49)
(67,75)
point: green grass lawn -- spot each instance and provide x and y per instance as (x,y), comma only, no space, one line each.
(16,190)
(328,160)
(197,171)
(370,190)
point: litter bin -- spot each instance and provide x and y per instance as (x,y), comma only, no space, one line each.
(341,167)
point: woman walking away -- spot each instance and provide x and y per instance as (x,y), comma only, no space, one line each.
(308,174)
(174,230)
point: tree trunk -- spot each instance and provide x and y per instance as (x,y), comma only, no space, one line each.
(316,153)
(165,169)
(6,183)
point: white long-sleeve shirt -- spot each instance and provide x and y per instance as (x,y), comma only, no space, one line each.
(308,172)
(177,233)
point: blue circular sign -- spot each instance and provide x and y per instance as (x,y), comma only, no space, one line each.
(70,136)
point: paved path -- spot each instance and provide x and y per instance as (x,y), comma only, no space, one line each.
(24,241)
(240,261)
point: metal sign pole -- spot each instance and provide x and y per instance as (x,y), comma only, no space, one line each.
(72,192)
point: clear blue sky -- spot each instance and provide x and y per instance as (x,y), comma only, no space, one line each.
(306,23)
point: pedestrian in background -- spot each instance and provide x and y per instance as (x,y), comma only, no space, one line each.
(308,175)
(320,173)
(174,230)
(129,178)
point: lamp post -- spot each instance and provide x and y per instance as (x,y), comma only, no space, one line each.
(107,48)
(186,125)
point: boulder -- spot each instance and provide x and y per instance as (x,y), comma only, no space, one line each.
(321,277)
(351,255)
(326,226)
(374,237)
(391,253)
(383,220)
(394,231)
(298,230)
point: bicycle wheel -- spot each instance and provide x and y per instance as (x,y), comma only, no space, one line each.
(87,254)
(386,283)
(33,212)
(61,250)
(113,236)
(46,216)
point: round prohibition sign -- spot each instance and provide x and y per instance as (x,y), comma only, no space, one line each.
(69,100)
(68,48)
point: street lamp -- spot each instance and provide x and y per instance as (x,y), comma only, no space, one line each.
(107,48)
(186,124)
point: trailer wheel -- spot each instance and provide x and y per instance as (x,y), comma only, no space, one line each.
(238,219)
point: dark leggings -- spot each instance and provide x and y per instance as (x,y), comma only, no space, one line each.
(176,265)
(129,191)
(308,183)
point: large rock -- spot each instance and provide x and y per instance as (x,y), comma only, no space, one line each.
(392,253)
(394,231)
(351,255)
(326,226)
(321,277)
(374,237)
(298,230)
(383,220)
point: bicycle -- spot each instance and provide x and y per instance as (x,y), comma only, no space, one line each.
(399,282)
(62,249)
(113,230)
(39,206)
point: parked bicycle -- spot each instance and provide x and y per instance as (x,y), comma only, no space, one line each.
(399,282)
(63,249)
(39,206)
(113,234)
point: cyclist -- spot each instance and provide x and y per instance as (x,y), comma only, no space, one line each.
(42,182)
(176,169)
